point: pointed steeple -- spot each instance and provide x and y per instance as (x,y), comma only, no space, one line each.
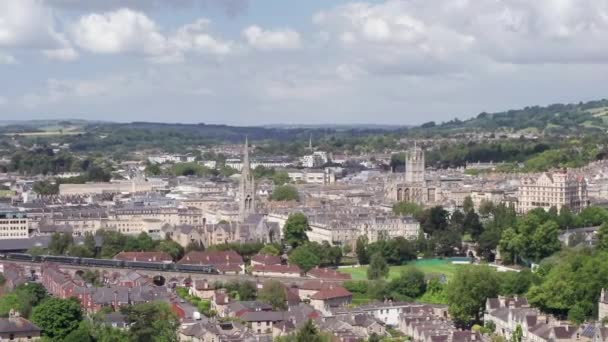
(246,154)
(310,143)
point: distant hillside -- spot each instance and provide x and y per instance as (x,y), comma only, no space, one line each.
(552,119)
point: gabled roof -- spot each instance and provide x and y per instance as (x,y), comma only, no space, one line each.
(17,325)
(335,292)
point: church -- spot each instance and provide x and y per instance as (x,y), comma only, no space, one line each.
(412,185)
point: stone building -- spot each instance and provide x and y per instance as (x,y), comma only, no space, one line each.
(13,225)
(412,186)
(246,196)
(552,189)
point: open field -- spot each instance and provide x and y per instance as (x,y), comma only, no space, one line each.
(428,266)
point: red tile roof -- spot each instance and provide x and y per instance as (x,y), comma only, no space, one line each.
(328,273)
(143,256)
(315,285)
(211,258)
(266,259)
(335,292)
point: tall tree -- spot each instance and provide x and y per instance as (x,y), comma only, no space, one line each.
(472,225)
(378,268)
(154,321)
(602,237)
(467,205)
(410,284)
(57,317)
(273,293)
(304,257)
(295,229)
(361,250)
(468,290)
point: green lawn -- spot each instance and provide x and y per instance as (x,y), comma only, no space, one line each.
(428,266)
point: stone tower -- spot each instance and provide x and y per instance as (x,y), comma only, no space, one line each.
(246,187)
(414,165)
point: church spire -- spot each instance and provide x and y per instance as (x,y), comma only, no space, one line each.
(310,143)
(246,154)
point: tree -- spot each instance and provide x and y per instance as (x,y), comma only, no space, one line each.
(468,291)
(195,246)
(273,293)
(472,225)
(486,208)
(243,289)
(517,334)
(347,249)
(374,338)
(45,188)
(304,258)
(60,242)
(407,209)
(174,249)
(361,250)
(34,291)
(467,205)
(285,193)
(270,250)
(154,321)
(280,178)
(310,333)
(545,240)
(295,229)
(434,219)
(378,268)
(57,317)
(79,335)
(410,284)
(602,237)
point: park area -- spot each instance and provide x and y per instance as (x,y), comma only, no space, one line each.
(428,266)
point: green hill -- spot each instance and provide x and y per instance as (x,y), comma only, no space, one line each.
(555,119)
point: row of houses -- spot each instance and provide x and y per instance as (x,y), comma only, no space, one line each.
(511,314)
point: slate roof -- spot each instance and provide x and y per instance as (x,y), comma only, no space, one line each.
(17,325)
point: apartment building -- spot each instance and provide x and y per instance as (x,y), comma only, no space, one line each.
(552,189)
(13,225)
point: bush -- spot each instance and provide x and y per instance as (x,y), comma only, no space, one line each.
(356,286)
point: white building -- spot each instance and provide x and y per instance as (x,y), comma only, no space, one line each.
(552,189)
(316,159)
(312,176)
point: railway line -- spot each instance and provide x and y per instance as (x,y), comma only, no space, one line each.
(166,270)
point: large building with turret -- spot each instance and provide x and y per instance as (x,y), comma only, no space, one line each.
(412,185)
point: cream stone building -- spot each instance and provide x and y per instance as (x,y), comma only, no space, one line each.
(552,189)
(412,186)
(13,225)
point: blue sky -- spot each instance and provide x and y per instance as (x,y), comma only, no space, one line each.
(277,61)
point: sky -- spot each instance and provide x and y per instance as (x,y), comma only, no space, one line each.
(254,62)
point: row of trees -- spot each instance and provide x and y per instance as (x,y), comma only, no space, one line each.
(113,243)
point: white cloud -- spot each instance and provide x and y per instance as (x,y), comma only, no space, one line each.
(120,31)
(128,31)
(27,24)
(271,39)
(194,37)
(67,54)
(444,35)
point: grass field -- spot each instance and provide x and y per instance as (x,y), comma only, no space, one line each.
(428,266)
